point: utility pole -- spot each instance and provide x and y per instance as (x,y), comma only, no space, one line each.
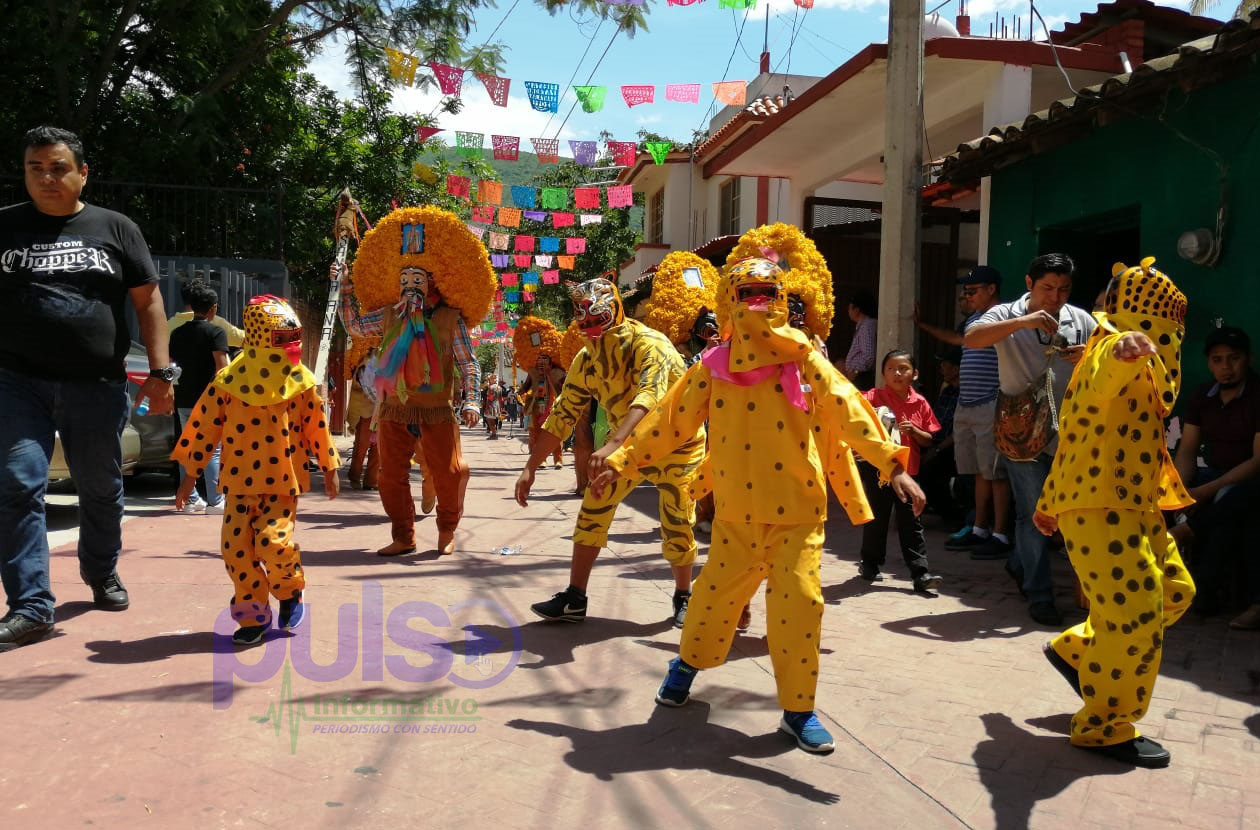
(900,248)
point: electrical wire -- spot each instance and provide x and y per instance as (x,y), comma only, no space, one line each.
(479,50)
(739,38)
(576,69)
(594,69)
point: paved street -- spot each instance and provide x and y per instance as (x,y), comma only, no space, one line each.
(945,713)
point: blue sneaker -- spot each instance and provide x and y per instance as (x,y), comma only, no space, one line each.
(810,734)
(292,612)
(677,686)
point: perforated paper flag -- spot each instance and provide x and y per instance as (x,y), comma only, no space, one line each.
(478,231)
(620,195)
(549,244)
(506,147)
(551,277)
(509,217)
(536,215)
(526,197)
(543,97)
(586,198)
(512,296)
(805,4)
(635,95)
(469,145)
(522,260)
(584,151)
(659,150)
(508,280)
(731,93)
(555,198)
(682,2)
(402,67)
(499,260)
(575,245)
(449,78)
(566,262)
(592,219)
(737,4)
(683,93)
(590,97)
(498,241)
(490,193)
(543,260)
(497,87)
(458,186)
(527,296)
(423,134)
(523,244)
(562,220)
(530,278)
(623,152)
(547,150)
(483,214)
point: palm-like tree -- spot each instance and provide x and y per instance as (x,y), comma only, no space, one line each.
(1244,10)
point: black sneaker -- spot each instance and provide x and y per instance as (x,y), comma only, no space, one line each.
(1045,613)
(967,542)
(1138,752)
(1063,667)
(250,635)
(870,573)
(566,606)
(992,548)
(681,598)
(110,594)
(927,582)
(18,630)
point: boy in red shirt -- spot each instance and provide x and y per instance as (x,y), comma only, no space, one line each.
(909,419)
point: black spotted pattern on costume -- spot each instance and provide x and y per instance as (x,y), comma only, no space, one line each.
(261,558)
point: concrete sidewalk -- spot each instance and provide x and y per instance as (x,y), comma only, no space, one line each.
(423,694)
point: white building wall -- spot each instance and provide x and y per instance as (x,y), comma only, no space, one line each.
(1009,99)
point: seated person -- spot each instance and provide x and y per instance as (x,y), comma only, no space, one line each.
(1223,420)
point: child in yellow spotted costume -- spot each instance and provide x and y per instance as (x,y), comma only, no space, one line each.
(626,367)
(770,398)
(264,409)
(1109,481)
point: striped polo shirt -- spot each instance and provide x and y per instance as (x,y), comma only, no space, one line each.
(978,372)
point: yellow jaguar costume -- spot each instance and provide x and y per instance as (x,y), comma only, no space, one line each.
(1109,481)
(770,400)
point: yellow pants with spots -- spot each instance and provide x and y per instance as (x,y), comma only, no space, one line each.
(672,478)
(740,557)
(1137,586)
(261,557)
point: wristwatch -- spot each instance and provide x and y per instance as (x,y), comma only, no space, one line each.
(170,374)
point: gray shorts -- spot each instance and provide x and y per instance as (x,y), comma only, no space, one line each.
(974,452)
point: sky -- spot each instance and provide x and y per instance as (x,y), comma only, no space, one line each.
(683,44)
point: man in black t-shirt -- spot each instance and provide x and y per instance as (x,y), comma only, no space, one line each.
(199,348)
(67,270)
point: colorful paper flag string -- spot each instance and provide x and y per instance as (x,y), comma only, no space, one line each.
(524,244)
(566,262)
(490,192)
(636,95)
(499,241)
(620,196)
(731,93)
(449,78)
(508,280)
(659,150)
(536,215)
(525,197)
(506,147)
(497,88)
(469,145)
(592,219)
(509,217)
(521,260)
(478,231)
(562,220)
(549,244)
(402,67)
(586,198)
(547,150)
(458,186)
(590,97)
(499,260)
(623,152)
(575,245)
(683,93)
(551,277)
(737,4)
(584,152)
(543,97)
(543,260)
(423,133)
(483,214)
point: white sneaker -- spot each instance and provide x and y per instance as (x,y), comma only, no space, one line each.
(193,507)
(215,509)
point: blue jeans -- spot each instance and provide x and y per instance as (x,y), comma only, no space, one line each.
(1029,556)
(211,475)
(90,416)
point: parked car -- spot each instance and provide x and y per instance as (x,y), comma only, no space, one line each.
(58,469)
(158,433)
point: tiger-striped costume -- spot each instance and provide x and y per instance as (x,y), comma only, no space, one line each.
(631,365)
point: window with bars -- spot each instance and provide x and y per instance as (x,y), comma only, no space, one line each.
(656,226)
(728,200)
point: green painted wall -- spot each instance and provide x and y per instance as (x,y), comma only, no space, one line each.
(1138,166)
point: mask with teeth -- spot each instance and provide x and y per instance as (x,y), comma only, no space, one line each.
(596,306)
(752,293)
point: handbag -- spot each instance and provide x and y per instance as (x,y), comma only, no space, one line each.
(1025,423)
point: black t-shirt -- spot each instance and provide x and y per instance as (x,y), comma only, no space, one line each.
(193,346)
(64,283)
(1228,432)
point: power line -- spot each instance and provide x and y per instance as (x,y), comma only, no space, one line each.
(739,38)
(479,50)
(581,60)
(616,32)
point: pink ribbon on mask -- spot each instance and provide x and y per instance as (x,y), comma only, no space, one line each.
(718,361)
